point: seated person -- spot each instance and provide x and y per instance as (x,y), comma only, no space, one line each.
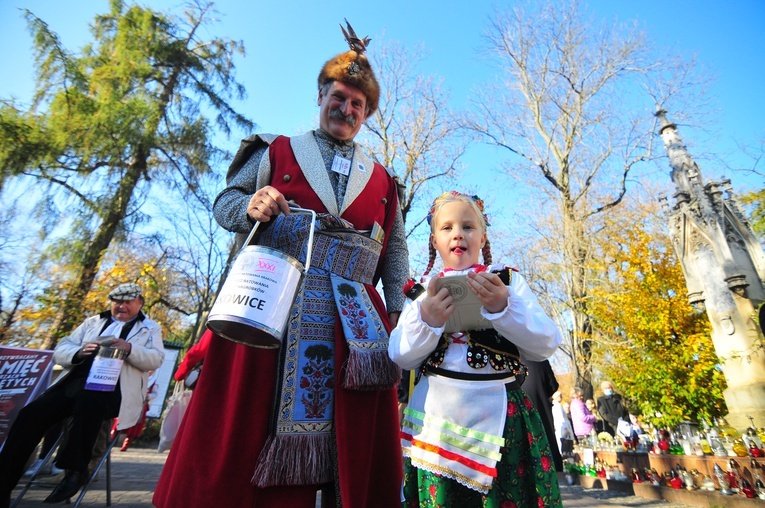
(141,341)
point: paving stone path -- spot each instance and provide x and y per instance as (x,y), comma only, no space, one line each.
(135,473)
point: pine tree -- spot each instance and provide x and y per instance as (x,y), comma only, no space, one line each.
(128,113)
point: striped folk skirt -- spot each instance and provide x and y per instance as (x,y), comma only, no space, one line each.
(526,476)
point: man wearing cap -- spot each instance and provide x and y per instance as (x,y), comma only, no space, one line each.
(273,426)
(124,327)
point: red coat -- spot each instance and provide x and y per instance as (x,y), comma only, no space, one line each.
(226,425)
(194,355)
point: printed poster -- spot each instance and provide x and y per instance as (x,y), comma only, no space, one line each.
(24,374)
(163,376)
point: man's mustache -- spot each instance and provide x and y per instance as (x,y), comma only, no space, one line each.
(349,119)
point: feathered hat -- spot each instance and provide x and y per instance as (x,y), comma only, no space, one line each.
(352,68)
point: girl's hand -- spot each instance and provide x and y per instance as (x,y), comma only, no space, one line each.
(490,290)
(436,308)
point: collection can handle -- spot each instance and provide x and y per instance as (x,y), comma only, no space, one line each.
(309,250)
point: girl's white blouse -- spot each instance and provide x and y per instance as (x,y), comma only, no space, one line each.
(523,322)
(463,420)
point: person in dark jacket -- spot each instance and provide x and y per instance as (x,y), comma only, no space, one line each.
(611,407)
(540,385)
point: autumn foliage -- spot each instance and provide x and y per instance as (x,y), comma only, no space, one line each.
(655,347)
(147,267)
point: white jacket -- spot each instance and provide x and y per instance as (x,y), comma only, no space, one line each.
(563,428)
(147,354)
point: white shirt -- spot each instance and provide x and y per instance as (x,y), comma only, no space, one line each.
(523,322)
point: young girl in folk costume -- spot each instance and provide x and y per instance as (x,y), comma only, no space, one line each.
(470,435)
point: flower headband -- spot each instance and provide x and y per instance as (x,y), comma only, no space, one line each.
(478,203)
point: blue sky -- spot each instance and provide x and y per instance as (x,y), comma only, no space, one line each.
(288,41)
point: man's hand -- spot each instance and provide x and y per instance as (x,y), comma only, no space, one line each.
(436,308)
(92,348)
(489,289)
(87,350)
(266,203)
(122,345)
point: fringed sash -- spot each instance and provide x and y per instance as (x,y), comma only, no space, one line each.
(299,449)
(368,366)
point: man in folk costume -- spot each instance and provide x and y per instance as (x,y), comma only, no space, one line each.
(270,427)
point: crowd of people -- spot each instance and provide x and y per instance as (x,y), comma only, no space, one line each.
(577,419)
(484,424)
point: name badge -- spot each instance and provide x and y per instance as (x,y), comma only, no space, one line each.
(341,165)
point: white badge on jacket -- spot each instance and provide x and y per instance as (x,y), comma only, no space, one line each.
(341,165)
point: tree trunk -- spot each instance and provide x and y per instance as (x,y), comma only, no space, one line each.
(577,253)
(10,316)
(70,314)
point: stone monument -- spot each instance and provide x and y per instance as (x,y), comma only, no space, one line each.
(724,268)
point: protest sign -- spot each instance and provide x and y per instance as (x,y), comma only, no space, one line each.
(24,374)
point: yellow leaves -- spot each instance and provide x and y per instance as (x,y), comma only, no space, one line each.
(665,359)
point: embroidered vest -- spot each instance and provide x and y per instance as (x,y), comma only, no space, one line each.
(372,205)
(344,268)
(484,347)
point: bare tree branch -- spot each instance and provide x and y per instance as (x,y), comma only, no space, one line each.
(560,103)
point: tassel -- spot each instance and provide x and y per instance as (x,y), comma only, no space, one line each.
(294,460)
(370,370)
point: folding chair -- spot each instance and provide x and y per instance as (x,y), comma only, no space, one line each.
(105,458)
(33,479)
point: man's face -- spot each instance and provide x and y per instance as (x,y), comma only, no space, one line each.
(343,110)
(125,310)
